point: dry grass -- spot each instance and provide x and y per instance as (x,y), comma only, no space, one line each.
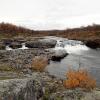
(80,78)
(39,63)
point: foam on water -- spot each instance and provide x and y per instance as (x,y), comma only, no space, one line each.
(8,48)
(23,47)
(71,46)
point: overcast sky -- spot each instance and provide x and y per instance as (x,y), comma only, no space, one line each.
(50,14)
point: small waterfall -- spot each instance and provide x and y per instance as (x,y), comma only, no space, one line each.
(8,48)
(71,46)
(60,44)
(23,46)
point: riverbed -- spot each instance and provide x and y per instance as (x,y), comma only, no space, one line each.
(79,56)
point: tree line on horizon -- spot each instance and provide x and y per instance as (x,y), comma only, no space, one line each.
(91,31)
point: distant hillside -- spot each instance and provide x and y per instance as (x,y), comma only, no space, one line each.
(82,33)
(89,32)
(90,35)
(13,29)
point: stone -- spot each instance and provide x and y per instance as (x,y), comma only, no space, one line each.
(41,43)
(58,55)
(93,43)
(15,45)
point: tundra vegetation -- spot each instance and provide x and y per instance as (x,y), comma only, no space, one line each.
(39,63)
(79,79)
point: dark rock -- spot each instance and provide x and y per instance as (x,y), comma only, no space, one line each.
(33,44)
(2,46)
(58,55)
(7,41)
(15,45)
(93,43)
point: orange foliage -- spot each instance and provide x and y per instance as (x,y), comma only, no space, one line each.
(39,63)
(80,78)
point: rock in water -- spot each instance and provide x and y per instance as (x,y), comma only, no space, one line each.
(15,45)
(93,43)
(59,54)
(42,43)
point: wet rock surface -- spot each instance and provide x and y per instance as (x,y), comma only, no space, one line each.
(58,54)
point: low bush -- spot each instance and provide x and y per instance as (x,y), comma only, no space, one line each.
(79,78)
(39,63)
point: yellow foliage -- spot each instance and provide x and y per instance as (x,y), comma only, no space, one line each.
(39,63)
(79,78)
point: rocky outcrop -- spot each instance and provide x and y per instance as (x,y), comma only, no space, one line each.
(93,43)
(58,54)
(34,42)
(21,58)
(20,89)
(29,88)
(15,45)
(41,43)
(9,41)
(41,86)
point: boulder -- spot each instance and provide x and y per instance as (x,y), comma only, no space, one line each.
(15,45)
(38,86)
(93,43)
(50,43)
(33,44)
(18,89)
(43,43)
(58,55)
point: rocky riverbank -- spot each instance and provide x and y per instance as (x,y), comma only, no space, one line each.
(41,86)
(19,82)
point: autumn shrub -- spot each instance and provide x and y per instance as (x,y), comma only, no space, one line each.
(79,78)
(39,63)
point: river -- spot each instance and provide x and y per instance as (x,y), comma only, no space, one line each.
(79,56)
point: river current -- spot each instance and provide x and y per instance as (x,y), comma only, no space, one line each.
(79,56)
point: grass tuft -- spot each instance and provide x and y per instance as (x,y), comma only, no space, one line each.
(39,63)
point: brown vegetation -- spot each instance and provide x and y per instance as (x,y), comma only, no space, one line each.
(85,34)
(89,32)
(79,78)
(39,63)
(13,29)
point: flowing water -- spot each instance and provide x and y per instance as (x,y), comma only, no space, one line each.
(79,56)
